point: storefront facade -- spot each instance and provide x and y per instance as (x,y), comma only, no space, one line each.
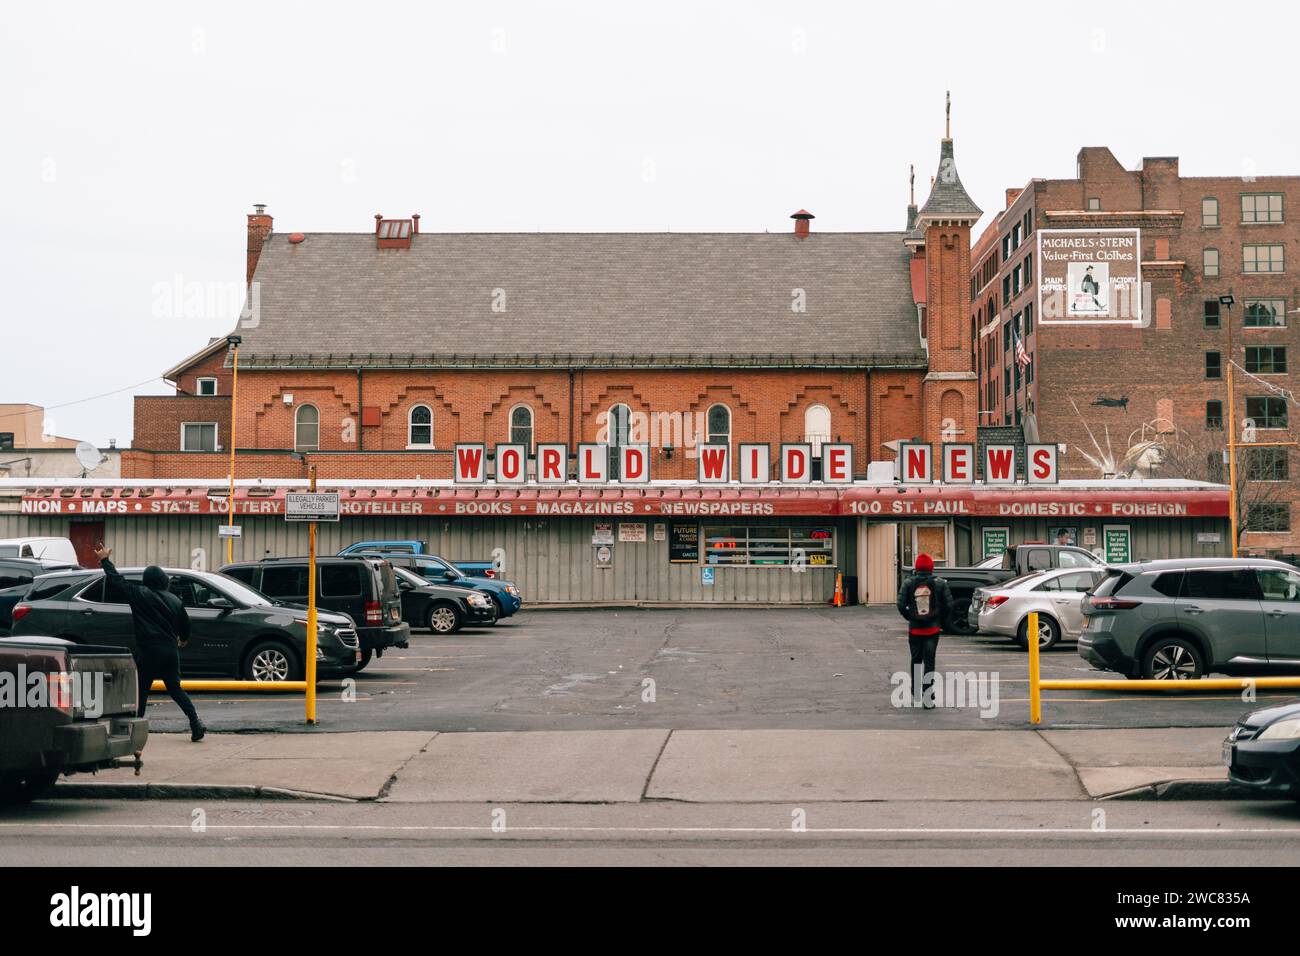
(674,543)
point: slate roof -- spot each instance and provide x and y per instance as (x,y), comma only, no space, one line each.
(571,298)
(948,197)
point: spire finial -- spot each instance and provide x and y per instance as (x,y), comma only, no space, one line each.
(911,183)
(947,111)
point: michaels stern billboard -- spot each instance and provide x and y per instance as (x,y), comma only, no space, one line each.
(1090,277)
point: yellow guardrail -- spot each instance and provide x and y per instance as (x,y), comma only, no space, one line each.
(271,686)
(1037,685)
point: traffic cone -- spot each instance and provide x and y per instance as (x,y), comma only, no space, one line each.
(838,600)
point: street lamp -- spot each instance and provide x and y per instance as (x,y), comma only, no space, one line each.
(1227,302)
(232,342)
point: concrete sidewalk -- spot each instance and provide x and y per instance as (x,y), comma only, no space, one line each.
(693,766)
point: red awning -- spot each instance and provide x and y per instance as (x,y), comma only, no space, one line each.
(885,502)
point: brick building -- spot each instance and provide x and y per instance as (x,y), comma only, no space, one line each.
(1149,398)
(370,354)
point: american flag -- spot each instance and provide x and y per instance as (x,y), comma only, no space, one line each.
(1022,357)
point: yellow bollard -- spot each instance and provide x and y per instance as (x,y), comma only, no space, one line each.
(1200,684)
(1035,689)
(270,686)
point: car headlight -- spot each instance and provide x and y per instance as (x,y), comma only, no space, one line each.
(1282,730)
(320,653)
(512,589)
(323,628)
(479,600)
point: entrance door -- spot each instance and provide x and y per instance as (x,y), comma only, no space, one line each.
(931,539)
(85,537)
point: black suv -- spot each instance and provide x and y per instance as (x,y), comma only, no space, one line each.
(234,631)
(364,588)
(16,575)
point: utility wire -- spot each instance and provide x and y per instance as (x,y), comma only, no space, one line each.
(92,398)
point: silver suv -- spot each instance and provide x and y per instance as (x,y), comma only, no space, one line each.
(1178,619)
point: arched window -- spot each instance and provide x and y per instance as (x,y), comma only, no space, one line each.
(419,427)
(817,427)
(618,426)
(306,428)
(719,425)
(521,426)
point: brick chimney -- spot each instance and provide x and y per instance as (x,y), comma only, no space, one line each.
(802,219)
(259,228)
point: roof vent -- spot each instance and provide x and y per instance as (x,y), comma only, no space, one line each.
(802,220)
(395,233)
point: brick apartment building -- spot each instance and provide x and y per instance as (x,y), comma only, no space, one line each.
(1150,399)
(370,354)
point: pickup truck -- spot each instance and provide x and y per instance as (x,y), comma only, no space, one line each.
(64,708)
(1022,559)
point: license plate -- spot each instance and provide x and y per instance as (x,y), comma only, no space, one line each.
(358,655)
(394,613)
(1227,752)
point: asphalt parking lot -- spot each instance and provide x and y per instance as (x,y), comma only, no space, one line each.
(693,669)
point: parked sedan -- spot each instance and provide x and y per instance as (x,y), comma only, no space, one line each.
(1056,595)
(1263,751)
(442,608)
(234,630)
(504,594)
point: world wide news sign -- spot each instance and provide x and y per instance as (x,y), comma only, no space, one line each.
(595,463)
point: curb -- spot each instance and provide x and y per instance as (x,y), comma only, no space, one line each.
(186,791)
(1188,790)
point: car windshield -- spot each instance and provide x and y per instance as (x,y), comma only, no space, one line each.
(993,562)
(237,590)
(413,579)
(437,565)
(1032,577)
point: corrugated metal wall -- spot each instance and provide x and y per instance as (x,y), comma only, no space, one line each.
(1152,537)
(551,559)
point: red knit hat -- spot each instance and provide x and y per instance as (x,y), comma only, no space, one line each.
(924,562)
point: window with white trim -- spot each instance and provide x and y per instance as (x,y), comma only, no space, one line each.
(306,428)
(521,426)
(206,386)
(419,427)
(199,436)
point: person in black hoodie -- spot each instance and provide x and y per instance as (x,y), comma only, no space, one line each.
(161,626)
(926,602)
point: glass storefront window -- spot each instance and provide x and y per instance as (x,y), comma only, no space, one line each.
(774,546)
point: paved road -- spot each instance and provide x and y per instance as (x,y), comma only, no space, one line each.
(724,668)
(1053,833)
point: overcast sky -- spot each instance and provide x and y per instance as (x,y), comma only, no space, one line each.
(137,136)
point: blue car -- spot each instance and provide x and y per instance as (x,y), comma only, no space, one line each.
(505,595)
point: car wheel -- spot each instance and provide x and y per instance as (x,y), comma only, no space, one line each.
(25,787)
(1049,632)
(366,655)
(443,619)
(498,610)
(1172,658)
(271,661)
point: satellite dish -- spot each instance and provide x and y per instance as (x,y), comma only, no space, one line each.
(88,456)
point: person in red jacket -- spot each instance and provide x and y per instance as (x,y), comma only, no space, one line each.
(926,602)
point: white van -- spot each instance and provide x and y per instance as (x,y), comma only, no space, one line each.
(47,549)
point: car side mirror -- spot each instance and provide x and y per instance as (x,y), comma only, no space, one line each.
(449,575)
(220,604)
(405,585)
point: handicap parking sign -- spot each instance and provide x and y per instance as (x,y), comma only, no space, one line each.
(706,577)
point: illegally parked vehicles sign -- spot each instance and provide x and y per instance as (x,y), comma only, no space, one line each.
(311,506)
